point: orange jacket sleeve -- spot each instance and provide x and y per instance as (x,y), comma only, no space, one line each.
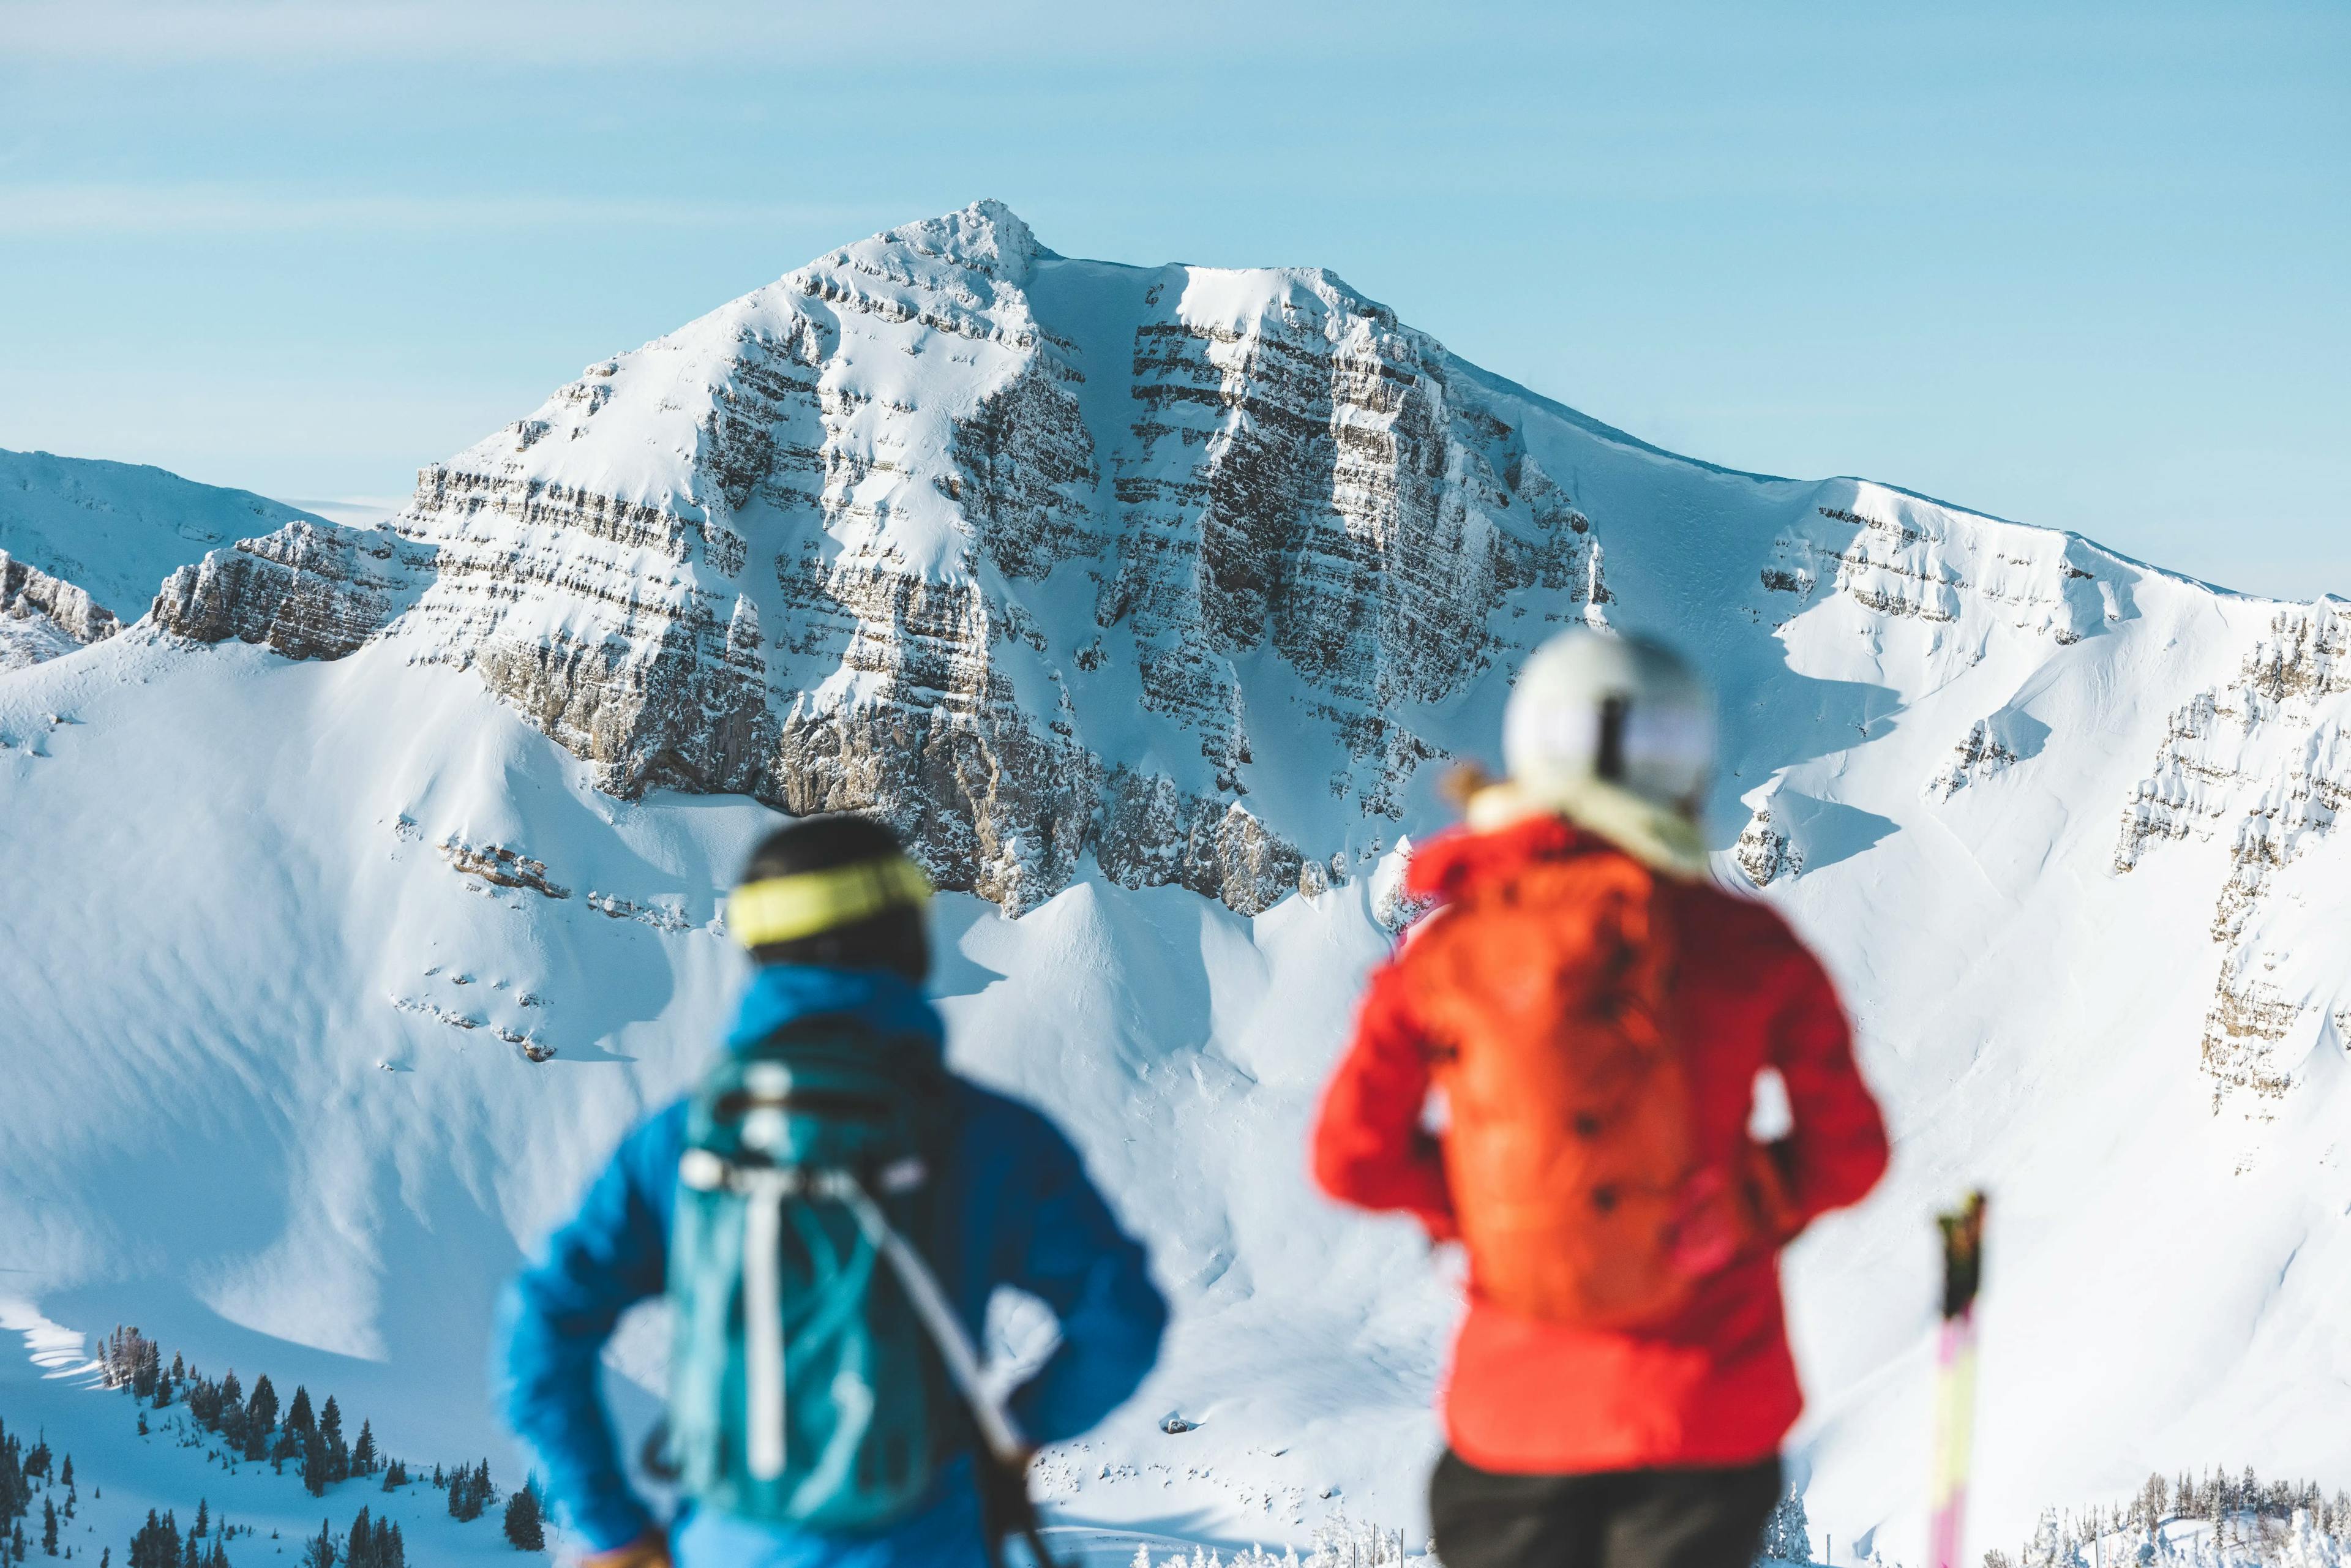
(1370,1148)
(1836,1149)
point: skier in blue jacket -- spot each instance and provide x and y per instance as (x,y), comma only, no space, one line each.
(1020,1212)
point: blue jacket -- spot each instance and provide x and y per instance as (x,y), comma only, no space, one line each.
(1028,1218)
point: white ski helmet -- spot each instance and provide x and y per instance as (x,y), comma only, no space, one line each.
(1617,733)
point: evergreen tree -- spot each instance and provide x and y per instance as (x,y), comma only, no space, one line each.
(203,1517)
(364,1455)
(1786,1534)
(359,1551)
(318,1551)
(314,1462)
(395,1475)
(331,1422)
(36,1463)
(179,1368)
(65,1476)
(49,1526)
(16,1492)
(157,1544)
(470,1491)
(299,1420)
(261,1410)
(524,1530)
(289,1445)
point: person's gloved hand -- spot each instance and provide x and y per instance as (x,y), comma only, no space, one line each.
(649,1550)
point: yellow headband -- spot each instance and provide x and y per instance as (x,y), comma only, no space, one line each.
(785,908)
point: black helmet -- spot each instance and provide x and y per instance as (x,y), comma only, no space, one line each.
(836,890)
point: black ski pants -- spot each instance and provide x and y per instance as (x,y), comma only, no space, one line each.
(1611,1519)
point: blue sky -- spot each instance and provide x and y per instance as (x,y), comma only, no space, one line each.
(2080,265)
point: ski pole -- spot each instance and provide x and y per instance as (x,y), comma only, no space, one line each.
(1006,1450)
(1955,1378)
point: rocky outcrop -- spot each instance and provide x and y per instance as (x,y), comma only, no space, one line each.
(1764,854)
(505,867)
(2263,760)
(26,591)
(310,591)
(878,537)
(1900,558)
(1982,755)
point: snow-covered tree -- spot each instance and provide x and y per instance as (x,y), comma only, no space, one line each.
(1786,1534)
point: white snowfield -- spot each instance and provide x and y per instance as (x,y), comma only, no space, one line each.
(2061,823)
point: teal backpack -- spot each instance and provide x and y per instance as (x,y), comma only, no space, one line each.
(807,1381)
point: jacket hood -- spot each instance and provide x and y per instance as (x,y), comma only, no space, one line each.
(1459,859)
(781,992)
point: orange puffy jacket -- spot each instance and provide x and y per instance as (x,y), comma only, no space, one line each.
(1714,1382)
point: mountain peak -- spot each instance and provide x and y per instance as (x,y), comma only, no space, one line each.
(987,237)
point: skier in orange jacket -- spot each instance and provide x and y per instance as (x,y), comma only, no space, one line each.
(1595,1012)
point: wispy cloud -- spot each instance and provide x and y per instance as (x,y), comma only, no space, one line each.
(565,31)
(66,211)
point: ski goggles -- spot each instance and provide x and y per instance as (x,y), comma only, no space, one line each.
(787,908)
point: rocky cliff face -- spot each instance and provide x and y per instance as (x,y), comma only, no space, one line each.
(943,525)
(1194,572)
(311,591)
(42,616)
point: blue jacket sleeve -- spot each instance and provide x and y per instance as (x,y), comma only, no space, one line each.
(552,1324)
(1073,1257)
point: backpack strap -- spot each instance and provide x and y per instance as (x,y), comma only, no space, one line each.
(1008,1450)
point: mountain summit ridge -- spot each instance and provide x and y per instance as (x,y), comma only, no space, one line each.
(1001,505)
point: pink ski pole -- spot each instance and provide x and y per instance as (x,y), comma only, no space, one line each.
(1955,1378)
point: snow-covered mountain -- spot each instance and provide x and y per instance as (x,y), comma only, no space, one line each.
(1151,601)
(83,544)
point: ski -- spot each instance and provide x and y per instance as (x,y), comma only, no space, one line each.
(1955,1378)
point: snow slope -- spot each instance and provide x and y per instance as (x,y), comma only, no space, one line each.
(1148,599)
